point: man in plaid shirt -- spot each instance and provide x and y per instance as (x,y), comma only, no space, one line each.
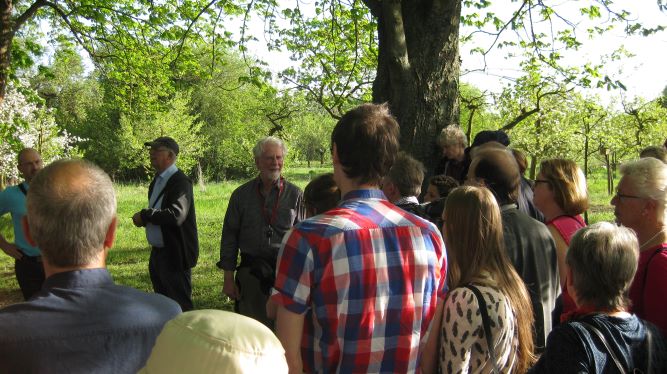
(357,287)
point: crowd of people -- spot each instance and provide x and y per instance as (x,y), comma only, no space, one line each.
(483,271)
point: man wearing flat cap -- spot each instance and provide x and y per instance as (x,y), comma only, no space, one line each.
(171,226)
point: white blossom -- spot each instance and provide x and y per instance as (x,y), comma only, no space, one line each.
(25,123)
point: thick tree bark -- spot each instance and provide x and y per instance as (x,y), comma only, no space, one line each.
(6,36)
(8,28)
(418,69)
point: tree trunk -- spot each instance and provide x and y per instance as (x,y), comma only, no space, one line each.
(418,70)
(6,37)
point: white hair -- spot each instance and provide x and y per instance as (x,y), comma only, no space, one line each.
(649,177)
(259,147)
(452,135)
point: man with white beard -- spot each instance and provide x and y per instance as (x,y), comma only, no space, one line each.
(259,214)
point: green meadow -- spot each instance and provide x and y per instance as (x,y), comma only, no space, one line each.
(128,259)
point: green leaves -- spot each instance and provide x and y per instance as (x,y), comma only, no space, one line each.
(592,12)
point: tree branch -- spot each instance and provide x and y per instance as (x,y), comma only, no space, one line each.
(375,6)
(28,14)
(187,31)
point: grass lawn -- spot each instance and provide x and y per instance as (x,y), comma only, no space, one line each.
(128,259)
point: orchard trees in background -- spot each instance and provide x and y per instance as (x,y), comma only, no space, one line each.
(475,115)
(25,122)
(337,50)
(534,112)
(168,68)
(645,122)
(408,50)
(174,120)
(138,37)
(309,133)
(417,47)
(233,112)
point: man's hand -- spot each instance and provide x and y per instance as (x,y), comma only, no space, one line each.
(229,287)
(12,250)
(136,219)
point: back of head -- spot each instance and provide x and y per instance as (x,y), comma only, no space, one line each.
(649,176)
(407,174)
(486,136)
(499,171)
(656,152)
(568,183)
(521,160)
(321,194)
(473,231)
(474,234)
(71,204)
(603,260)
(444,184)
(366,140)
(214,341)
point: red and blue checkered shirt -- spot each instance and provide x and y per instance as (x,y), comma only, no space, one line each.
(368,275)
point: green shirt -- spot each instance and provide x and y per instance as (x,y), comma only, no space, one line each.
(13,200)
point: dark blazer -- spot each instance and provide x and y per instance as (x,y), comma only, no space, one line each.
(177,221)
(532,251)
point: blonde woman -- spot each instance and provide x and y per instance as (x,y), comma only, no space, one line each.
(560,193)
(487,318)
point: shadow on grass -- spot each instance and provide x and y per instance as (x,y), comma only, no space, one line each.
(8,297)
(9,292)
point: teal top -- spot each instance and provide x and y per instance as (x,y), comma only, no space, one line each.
(12,200)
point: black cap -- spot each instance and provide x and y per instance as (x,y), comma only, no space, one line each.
(164,141)
(487,136)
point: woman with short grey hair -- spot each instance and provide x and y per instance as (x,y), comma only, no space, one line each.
(601,336)
(453,142)
(639,204)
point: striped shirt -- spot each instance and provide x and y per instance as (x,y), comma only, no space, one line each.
(368,275)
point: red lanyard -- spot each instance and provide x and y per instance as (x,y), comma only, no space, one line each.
(270,218)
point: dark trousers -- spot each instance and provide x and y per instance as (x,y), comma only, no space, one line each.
(29,274)
(169,281)
(252,301)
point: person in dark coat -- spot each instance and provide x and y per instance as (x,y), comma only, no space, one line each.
(171,225)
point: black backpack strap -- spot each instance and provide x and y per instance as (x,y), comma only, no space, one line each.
(486,324)
(600,336)
(649,348)
(23,189)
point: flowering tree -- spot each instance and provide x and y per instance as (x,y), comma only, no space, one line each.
(26,123)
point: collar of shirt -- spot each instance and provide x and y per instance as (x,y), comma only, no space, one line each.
(79,278)
(274,185)
(168,172)
(506,207)
(364,194)
(406,200)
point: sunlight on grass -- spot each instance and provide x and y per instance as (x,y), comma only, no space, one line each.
(128,259)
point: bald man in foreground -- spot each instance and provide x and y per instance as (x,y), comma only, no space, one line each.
(27,258)
(80,321)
